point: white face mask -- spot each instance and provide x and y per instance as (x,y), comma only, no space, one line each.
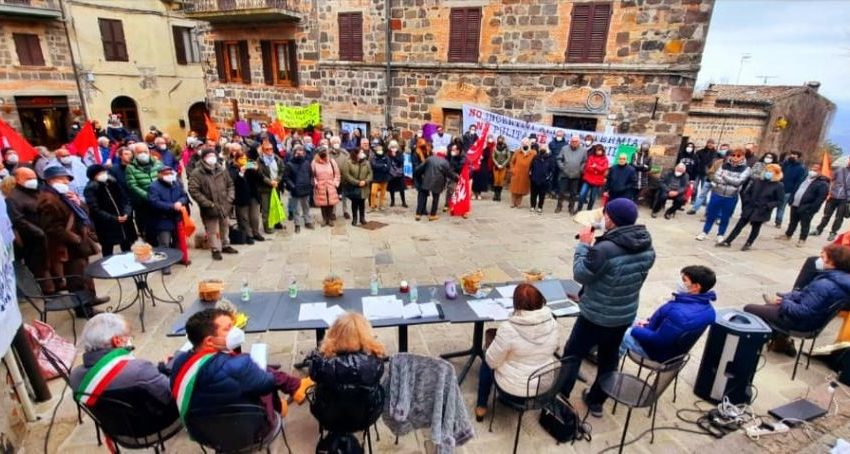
(678,173)
(65,159)
(101,177)
(169,178)
(61,188)
(819,264)
(144,158)
(361,156)
(689,149)
(4,173)
(768,160)
(12,159)
(31,184)
(588,143)
(812,174)
(211,160)
(681,288)
(235,338)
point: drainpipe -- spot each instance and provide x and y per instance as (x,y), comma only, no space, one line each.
(73,60)
(389,58)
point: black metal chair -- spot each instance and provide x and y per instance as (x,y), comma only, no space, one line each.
(29,289)
(64,371)
(541,387)
(806,335)
(234,428)
(635,392)
(347,408)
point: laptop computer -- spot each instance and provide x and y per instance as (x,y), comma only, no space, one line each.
(800,409)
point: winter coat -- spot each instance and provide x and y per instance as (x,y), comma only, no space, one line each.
(341,157)
(556,146)
(298,177)
(729,179)
(396,172)
(520,171)
(166,157)
(501,157)
(347,390)
(705,159)
(642,163)
(353,174)
(670,182)
(571,162)
(761,197)
(456,162)
(812,307)
(119,172)
(435,173)
(106,202)
(675,327)
(543,170)
(612,272)
(22,207)
(422,391)
(469,139)
(621,181)
(241,186)
(814,196)
(137,373)
(523,344)
(691,162)
(793,175)
(139,178)
(162,198)
(326,178)
(840,188)
(595,170)
(63,243)
(264,185)
(380,168)
(213,189)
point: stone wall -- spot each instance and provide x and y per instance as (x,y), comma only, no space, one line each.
(735,129)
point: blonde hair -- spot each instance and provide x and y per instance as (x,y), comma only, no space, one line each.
(351,333)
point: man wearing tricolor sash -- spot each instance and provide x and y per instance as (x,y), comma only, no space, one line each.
(212,375)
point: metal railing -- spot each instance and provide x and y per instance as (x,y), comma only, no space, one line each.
(198,6)
(43,4)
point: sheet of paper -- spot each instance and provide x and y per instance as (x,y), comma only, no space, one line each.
(382,307)
(569,309)
(260,355)
(411,311)
(507,303)
(429,310)
(312,311)
(552,290)
(489,309)
(506,291)
(121,264)
(332,313)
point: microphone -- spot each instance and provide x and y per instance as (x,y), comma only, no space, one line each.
(592,229)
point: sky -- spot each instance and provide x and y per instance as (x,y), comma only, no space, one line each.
(792,41)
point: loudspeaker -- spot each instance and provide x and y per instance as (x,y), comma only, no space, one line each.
(731,355)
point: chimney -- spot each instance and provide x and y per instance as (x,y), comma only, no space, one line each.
(813,84)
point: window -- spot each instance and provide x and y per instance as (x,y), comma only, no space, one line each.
(588,33)
(571,122)
(185,46)
(28,48)
(112,35)
(232,61)
(350,36)
(452,121)
(463,35)
(280,63)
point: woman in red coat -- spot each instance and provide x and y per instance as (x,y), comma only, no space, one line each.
(595,170)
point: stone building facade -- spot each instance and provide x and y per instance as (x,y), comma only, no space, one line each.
(777,118)
(635,74)
(38,88)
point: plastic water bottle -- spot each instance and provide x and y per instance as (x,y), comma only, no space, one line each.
(293,287)
(374,285)
(246,291)
(414,292)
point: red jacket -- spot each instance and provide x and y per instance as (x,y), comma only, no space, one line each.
(595,169)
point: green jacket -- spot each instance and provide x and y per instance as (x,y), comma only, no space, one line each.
(140,177)
(352,174)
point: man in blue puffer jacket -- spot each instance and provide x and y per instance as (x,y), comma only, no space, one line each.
(612,272)
(675,327)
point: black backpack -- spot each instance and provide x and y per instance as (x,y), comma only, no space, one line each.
(559,419)
(237,236)
(339,443)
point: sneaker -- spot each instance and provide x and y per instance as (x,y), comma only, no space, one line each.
(831,237)
(801,243)
(216,255)
(540,211)
(722,244)
(531,210)
(701,236)
(595,409)
(719,238)
(229,250)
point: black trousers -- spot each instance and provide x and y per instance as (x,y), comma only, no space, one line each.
(108,248)
(392,197)
(805,221)
(568,188)
(422,202)
(742,222)
(767,312)
(584,337)
(538,195)
(839,207)
(358,208)
(661,199)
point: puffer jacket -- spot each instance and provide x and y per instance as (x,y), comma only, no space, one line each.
(543,170)
(139,178)
(348,393)
(213,189)
(670,182)
(352,174)
(595,169)
(326,178)
(298,177)
(612,272)
(571,162)
(162,197)
(556,146)
(811,307)
(380,168)
(761,197)
(793,175)
(730,179)
(814,196)
(523,344)
(681,320)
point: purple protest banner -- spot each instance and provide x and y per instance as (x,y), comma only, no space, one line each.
(243,128)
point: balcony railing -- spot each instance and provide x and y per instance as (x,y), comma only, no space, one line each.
(32,9)
(221,11)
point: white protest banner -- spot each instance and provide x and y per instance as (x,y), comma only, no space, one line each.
(515,129)
(10,315)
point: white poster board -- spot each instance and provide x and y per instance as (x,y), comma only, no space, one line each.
(10,315)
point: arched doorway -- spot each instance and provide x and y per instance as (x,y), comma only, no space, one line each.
(125,107)
(197,120)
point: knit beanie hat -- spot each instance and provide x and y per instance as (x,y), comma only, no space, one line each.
(622,212)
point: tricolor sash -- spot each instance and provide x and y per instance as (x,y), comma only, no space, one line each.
(185,381)
(101,374)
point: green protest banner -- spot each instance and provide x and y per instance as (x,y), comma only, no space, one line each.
(299,117)
(625,149)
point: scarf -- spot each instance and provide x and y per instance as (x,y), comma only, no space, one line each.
(79,212)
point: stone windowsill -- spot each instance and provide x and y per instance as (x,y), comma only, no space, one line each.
(519,67)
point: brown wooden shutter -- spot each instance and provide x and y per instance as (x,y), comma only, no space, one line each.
(106,38)
(350,36)
(600,18)
(589,33)
(268,63)
(577,46)
(244,62)
(219,61)
(28,49)
(457,34)
(120,44)
(473,28)
(293,62)
(342,35)
(357,36)
(179,46)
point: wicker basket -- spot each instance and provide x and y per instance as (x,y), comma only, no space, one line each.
(471,282)
(210,290)
(332,286)
(142,251)
(533,275)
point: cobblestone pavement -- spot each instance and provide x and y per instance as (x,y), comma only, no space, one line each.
(502,242)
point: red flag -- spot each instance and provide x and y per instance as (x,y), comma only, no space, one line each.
(212,129)
(9,137)
(277,129)
(473,155)
(182,242)
(460,202)
(85,142)
(826,166)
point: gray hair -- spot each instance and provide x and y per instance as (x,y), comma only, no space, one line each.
(102,141)
(139,147)
(100,329)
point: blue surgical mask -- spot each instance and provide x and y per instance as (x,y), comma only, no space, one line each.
(767,176)
(721,152)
